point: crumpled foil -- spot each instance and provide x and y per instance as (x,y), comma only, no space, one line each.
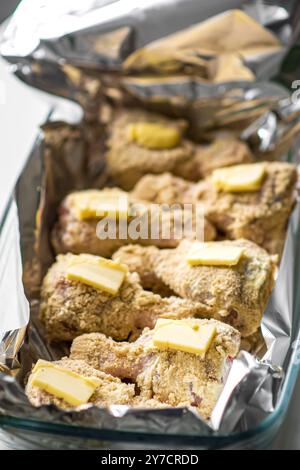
(77,50)
(15,308)
(61,54)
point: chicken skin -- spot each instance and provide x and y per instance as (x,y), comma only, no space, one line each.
(128,162)
(168,376)
(70,308)
(260,216)
(234,294)
(111,391)
(76,235)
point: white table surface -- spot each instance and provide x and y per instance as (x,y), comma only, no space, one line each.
(21,112)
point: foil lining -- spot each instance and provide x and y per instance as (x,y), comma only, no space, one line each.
(253,386)
(67,155)
(14,308)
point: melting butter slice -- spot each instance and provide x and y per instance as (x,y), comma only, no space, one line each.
(154,135)
(98,272)
(165,321)
(182,336)
(63,383)
(93,204)
(239,178)
(214,254)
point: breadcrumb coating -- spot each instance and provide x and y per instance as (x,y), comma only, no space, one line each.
(70,308)
(260,216)
(234,294)
(128,162)
(170,377)
(71,234)
(110,391)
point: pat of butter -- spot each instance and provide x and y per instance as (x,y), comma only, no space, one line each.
(154,135)
(239,178)
(214,254)
(182,336)
(93,204)
(63,383)
(99,273)
(165,321)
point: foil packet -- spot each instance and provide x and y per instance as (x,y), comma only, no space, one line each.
(68,156)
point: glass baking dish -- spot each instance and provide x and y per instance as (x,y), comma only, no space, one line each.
(32,433)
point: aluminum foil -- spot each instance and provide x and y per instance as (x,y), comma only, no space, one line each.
(78,50)
(67,156)
(15,308)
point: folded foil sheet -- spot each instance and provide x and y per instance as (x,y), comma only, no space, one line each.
(68,155)
(79,50)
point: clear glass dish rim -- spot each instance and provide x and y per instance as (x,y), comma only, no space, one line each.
(112,435)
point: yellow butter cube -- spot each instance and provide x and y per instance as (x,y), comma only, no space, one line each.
(182,336)
(239,178)
(165,321)
(41,363)
(98,272)
(93,204)
(214,254)
(154,135)
(63,383)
